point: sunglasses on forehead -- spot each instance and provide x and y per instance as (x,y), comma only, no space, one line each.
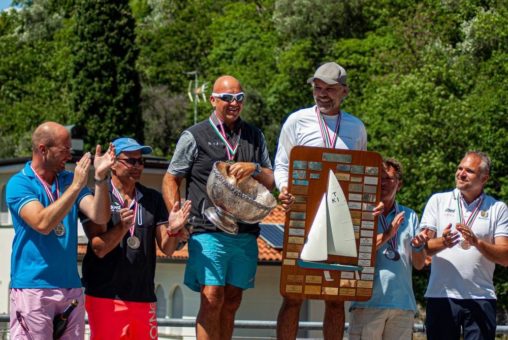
(132,161)
(229,97)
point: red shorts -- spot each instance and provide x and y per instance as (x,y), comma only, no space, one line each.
(117,319)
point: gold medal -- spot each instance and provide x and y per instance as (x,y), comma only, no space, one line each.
(59,230)
(133,242)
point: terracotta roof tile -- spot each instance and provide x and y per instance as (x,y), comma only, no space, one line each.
(266,253)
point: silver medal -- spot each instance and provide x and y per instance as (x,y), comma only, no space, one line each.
(59,230)
(133,242)
(392,254)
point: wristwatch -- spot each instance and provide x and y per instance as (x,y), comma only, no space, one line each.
(100,181)
(257,171)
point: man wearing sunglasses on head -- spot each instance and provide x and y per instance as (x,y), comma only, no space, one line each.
(119,265)
(220,265)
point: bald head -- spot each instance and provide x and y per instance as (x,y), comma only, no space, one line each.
(49,134)
(227,84)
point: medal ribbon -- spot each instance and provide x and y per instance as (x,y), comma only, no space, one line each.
(384,224)
(47,188)
(473,215)
(120,199)
(325,134)
(230,149)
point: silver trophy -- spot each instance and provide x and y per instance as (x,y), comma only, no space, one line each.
(245,200)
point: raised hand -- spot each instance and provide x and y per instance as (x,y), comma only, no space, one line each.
(422,238)
(178,217)
(103,162)
(467,234)
(81,170)
(397,221)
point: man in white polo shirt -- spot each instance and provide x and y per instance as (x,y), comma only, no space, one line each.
(472,236)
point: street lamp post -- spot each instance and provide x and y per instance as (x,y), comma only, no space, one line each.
(192,94)
(195,92)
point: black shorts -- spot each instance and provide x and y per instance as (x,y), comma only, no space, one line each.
(446,317)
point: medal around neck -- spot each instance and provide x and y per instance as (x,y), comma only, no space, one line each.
(133,242)
(59,230)
(245,200)
(464,244)
(392,254)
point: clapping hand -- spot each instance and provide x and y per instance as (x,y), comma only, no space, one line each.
(450,238)
(103,162)
(397,221)
(81,170)
(467,234)
(126,217)
(178,217)
(422,238)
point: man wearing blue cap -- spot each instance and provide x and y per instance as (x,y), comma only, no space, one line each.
(119,265)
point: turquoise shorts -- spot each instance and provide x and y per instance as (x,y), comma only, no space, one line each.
(219,259)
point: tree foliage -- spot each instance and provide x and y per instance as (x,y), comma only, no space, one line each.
(105,83)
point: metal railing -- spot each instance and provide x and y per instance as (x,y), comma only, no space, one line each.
(263,324)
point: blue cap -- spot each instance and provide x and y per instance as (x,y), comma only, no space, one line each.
(128,144)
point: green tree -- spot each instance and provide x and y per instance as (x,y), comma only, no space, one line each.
(105,85)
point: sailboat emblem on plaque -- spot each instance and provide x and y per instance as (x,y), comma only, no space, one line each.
(331,232)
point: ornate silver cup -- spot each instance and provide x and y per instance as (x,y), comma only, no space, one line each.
(234,201)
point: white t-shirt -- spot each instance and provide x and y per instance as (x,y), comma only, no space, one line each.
(302,128)
(455,272)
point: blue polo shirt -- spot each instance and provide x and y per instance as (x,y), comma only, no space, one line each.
(393,285)
(38,260)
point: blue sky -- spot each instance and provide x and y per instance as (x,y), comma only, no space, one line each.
(4,4)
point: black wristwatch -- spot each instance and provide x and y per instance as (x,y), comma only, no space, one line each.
(257,171)
(100,181)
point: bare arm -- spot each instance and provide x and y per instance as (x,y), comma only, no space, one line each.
(104,241)
(171,190)
(45,219)
(496,252)
(97,207)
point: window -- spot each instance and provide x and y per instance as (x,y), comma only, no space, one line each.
(177,303)
(5,218)
(161,302)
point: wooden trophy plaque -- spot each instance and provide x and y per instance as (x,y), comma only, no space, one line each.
(329,234)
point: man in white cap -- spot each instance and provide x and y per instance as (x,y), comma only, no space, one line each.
(322,125)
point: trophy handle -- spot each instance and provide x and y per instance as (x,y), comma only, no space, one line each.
(222,220)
